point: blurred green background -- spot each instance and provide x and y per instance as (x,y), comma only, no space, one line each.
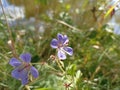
(95,64)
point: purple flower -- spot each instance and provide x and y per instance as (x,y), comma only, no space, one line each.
(23,68)
(61,45)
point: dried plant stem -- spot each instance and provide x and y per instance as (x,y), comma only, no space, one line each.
(68,25)
(96,71)
(10,33)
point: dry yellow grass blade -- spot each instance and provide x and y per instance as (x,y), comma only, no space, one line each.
(111,9)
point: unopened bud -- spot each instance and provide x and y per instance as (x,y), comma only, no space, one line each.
(52,57)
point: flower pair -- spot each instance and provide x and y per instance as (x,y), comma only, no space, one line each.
(23,67)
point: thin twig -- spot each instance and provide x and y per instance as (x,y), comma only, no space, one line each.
(68,25)
(10,33)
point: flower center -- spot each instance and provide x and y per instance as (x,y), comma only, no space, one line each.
(24,66)
(60,45)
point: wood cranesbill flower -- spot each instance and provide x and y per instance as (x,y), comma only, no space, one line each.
(23,68)
(61,44)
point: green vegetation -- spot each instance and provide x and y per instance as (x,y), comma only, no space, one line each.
(95,64)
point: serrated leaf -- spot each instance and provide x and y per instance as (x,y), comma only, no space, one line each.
(78,74)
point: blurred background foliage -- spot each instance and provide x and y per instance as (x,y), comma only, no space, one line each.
(95,64)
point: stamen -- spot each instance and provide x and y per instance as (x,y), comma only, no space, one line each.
(60,45)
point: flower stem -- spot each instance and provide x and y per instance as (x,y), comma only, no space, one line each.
(27,87)
(57,60)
